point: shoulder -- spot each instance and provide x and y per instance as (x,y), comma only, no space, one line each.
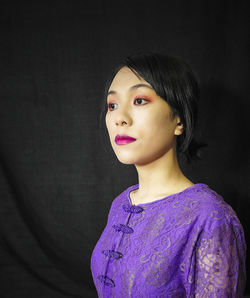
(120,199)
(116,210)
(214,212)
(210,202)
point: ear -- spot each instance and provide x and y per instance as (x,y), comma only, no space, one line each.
(179,127)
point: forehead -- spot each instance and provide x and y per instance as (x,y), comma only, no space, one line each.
(125,77)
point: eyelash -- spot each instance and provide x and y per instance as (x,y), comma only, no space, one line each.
(134,101)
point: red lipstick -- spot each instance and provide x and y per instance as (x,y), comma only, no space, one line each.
(123,139)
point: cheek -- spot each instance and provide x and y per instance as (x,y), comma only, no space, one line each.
(157,126)
(107,118)
(107,121)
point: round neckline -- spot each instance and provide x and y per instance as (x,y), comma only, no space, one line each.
(136,186)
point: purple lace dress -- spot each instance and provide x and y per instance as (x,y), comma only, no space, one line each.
(189,244)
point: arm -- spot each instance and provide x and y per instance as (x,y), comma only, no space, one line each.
(220,261)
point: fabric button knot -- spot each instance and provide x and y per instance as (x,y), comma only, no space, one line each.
(132,209)
(125,229)
(112,253)
(106,280)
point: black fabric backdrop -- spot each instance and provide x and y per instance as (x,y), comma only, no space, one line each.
(58,179)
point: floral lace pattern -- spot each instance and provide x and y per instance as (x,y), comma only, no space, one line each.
(190,244)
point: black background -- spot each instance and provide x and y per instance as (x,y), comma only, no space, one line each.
(58,178)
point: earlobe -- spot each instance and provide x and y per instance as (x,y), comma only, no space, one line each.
(179,129)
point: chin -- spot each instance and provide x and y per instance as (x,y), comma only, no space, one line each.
(126,161)
(129,160)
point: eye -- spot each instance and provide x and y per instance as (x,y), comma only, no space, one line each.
(111,106)
(139,100)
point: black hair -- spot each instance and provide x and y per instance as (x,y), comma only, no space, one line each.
(175,82)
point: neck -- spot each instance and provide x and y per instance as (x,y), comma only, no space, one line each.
(162,176)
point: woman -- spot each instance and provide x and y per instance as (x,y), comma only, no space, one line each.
(165,236)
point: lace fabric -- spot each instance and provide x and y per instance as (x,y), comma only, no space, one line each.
(190,244)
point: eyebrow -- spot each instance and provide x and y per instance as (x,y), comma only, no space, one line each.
(132,88)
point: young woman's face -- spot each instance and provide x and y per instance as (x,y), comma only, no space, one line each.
(138,112)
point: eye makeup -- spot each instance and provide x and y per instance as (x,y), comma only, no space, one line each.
(109,101)
(145,98)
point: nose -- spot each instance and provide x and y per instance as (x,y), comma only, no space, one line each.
(123,118)
(121,122)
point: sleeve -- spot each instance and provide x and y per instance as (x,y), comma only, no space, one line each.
(220,261)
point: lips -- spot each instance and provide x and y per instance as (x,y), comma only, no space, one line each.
(123,139)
